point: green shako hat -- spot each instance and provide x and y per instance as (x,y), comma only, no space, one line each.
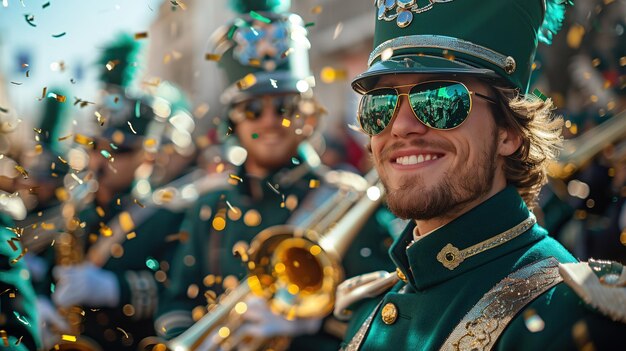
(489,38)
(263,51)
(117,60)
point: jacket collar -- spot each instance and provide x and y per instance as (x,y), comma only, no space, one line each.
(496,215)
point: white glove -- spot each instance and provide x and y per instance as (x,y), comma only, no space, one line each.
(51,324)
(259,322)
(85,284)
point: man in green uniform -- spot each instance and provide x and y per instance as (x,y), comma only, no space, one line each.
(271,113)
(18,317)
(127,237)
(474,270)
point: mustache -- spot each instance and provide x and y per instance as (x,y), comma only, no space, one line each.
(418,143)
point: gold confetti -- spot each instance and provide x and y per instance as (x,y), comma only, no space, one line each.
(12,244)
(314,183)
(105,230)
(246,82)
(64,137)
(330,74)
(83,139)
(316,10)
(575,36)
(62,160)
(15,260)
(138,203)
(232,176)
(70,338)
(100,211)
(212,57)
(48,226)
(286,122)
(131,235)
(141,35)
(126,221)
(22,171)
(58,97)
(219,223)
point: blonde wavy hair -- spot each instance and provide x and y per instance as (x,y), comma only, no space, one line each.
(540,130)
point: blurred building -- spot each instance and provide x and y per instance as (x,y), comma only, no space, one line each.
(179,40)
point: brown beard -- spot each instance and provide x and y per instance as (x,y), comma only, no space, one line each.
(455,190)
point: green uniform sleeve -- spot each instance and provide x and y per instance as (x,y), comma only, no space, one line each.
(174,308)
(17,298)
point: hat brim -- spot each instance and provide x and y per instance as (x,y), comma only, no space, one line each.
(267,83)
(416,64)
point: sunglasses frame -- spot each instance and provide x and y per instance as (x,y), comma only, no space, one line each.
(241,107)
(398,94)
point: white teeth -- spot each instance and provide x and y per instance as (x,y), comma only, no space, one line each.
(413,160)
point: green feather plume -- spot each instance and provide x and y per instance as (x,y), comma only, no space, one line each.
(553,19)
(245,6)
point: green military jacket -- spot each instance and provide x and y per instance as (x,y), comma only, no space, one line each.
(139,260)
(205,261)
(422,313)
(18,318)
(140,263)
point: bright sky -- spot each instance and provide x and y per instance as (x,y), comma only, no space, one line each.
(87,24)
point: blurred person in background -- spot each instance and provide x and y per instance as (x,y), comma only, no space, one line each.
(271,112)
(18,315)
(584,203)
(116,260)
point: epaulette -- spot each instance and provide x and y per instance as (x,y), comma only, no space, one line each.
(361,287)
(601,284)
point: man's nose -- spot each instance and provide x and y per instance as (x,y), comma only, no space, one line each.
(405,122)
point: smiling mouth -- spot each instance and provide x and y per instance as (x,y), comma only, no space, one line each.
(415,159)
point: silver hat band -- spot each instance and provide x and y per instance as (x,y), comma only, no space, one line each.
(507,63)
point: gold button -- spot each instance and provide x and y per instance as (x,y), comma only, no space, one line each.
(389,313)
(401,275)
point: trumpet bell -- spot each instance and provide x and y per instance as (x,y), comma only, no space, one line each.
(293,272)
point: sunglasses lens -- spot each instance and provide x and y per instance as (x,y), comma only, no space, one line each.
(253,108)
(440,105)
(285,105)
(376,110)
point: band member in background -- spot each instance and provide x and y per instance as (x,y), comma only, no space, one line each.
(475,271)
(271,114)
(126,239)
(18,315)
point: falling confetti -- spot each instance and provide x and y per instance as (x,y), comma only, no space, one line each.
(57,97)
(338,30)
(309,24)
(246,82)
(141,35)
(316,10)
(212,57)
(3,110)
(257,16)
(58,35)
(139,203)
(232,176)
(15,260)
(22,171)
(30,19)
(45,5)
(131,127)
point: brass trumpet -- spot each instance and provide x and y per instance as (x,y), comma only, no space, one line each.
(579,151)
(297,269)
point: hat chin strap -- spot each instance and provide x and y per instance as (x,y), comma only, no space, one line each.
(506,63)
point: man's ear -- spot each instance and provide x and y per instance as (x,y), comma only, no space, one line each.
(508,142)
